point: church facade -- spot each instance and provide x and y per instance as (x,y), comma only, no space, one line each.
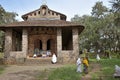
(42,31)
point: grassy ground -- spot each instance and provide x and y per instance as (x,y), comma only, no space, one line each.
(1,55)
(107,69)
(1,66)
(68,72)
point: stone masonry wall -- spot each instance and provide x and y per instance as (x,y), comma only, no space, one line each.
(41,34)
(13,57)
(25,42)
(8,42)
(68,56)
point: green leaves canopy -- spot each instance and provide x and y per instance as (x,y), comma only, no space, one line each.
(100,32)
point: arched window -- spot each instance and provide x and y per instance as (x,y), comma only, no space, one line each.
(44,11)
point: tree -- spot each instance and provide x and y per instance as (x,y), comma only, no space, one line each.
(5,17)
(99,10)
(116,10)
(100,32)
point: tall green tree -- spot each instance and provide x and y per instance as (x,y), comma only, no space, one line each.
(100,32)
(98,10)
(5,17)
(116,10)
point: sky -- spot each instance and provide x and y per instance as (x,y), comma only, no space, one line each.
(67,7)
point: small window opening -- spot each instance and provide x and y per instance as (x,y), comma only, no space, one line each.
(48,44)
(35,14)
(67,40)
(38,12)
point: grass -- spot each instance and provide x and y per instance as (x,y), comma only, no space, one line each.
(68,72)
(2,67)
(65,73)
(43,75)
(1,55)
(107,69)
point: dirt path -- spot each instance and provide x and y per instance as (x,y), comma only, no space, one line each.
(14,72)
(95,68)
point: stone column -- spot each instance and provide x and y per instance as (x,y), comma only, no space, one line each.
(44,45)
(75,42)
(59,44)
(8,42)
(25,42)
(13,41)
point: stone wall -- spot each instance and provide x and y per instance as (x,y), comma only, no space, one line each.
(25,42)
(68,56)
(28,45)
(42,14)
(75,43)
(8,42)
(43,35)
(13,57)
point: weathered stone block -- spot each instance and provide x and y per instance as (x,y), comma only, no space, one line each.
(10,60)
(20,60)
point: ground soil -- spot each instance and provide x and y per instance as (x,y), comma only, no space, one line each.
(30,72)
(95,67)
(17,72)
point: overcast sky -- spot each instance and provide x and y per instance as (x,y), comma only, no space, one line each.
(67,7)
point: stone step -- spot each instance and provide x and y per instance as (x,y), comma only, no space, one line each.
(38,61)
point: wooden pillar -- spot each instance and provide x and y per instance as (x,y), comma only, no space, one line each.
(25,42)
(8,42)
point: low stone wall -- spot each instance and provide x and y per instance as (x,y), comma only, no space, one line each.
(67,57)
(15,58)
(12,60)
(1,61)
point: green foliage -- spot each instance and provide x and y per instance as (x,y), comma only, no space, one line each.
(5,17)
(99,10)
(65,73)
(100,32)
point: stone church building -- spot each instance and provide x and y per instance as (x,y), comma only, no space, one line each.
(45,30)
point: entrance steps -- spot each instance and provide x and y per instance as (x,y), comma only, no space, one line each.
(38,61)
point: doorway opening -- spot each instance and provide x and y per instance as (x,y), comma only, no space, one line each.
(49,44)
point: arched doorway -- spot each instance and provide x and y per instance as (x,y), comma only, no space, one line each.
(38,44)
(51,46)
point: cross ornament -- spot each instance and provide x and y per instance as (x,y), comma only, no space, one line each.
(44,2)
